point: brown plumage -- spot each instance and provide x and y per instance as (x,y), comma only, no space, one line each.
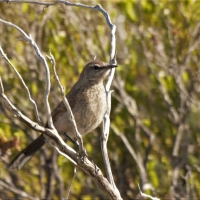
(87,100)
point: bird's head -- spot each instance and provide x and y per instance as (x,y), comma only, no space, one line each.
(96,71)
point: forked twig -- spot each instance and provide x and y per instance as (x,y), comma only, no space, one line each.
(69,111)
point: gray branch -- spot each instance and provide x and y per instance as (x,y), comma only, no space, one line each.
(23,83)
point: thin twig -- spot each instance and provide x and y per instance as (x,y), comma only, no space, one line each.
(47,74)
(137,158)
(69,188)
(23,83)
(69,111)
(146,195)
(11,188)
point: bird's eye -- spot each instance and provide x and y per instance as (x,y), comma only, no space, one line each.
(96,67)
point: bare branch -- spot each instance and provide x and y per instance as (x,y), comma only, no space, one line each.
(69,188)
(11,188)
(47,74)
(146,195)
(23,83)
(9,106)
(69,111)
(137,158)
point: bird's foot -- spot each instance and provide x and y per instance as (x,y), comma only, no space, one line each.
(96,167)
(83,154)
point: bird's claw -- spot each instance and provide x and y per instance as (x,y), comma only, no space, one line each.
(83,154)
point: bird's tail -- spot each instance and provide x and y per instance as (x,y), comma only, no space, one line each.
(27,153)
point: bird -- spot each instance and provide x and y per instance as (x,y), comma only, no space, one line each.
(87,99)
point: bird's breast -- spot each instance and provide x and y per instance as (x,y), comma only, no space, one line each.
(93,107)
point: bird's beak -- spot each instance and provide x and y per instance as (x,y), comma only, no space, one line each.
(110,66)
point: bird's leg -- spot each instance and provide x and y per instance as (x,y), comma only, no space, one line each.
(71,140)
(82,153)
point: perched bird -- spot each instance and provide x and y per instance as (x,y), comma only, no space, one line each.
(87,99)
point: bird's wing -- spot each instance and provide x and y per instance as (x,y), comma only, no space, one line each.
(61,106)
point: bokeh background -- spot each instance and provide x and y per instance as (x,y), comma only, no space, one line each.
(155,131)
